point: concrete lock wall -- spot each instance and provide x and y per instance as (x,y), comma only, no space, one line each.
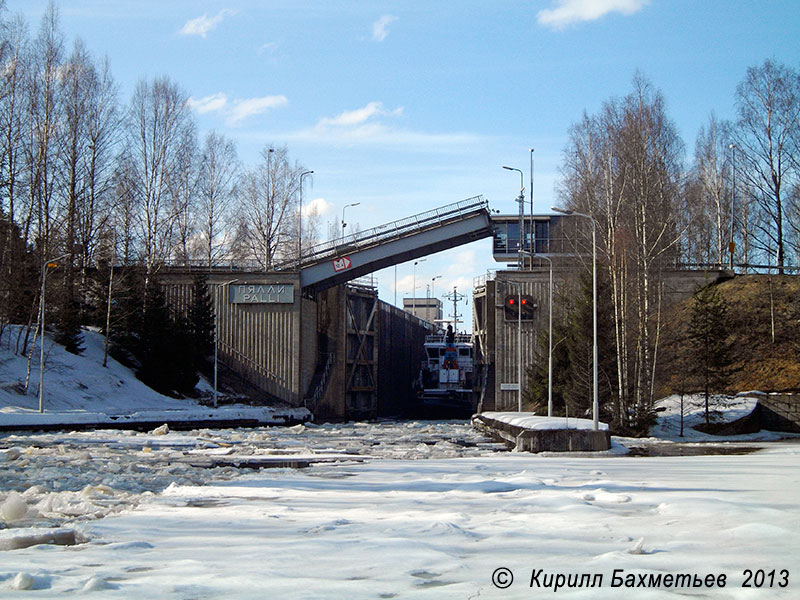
(498,348)
(401,350)
(259,334)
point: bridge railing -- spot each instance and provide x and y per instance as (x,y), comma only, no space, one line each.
(390,231)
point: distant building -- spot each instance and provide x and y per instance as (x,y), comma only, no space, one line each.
(429,309)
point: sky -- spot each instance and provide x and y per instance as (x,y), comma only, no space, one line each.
(402,107)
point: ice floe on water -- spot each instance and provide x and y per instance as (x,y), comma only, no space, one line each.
(407,509)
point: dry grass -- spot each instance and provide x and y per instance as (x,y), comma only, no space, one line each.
(758,305)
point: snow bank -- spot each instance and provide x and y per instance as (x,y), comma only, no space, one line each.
(80,391)
(535,422)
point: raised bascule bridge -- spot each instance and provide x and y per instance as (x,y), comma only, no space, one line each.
(312,332)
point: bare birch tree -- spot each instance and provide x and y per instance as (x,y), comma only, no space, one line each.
(268,225)
(159,124)
(623,167)
(708,195)
(218,172)
(768,106)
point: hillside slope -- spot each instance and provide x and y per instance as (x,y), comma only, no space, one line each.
(764,326)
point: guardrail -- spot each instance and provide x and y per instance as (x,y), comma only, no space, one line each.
(390,231)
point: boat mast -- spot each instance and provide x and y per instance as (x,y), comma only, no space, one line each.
(455,297)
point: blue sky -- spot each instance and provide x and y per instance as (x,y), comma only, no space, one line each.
(405,106)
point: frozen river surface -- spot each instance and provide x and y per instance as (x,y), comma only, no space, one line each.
(408,510)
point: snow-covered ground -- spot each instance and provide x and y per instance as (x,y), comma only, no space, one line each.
(385,510)
(79,390)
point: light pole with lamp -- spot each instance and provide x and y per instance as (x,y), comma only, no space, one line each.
(433,295)
(595,401)
(521,200)
(343,209)
(532,229)
(433,279)
(731,243)
(550,339)
(266,208)
(414,283)
(300,221)
(216,331)
(518,285)
(48,263)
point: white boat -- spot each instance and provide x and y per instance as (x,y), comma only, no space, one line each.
(446,382)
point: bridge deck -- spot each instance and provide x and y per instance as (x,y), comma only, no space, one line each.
(363,252)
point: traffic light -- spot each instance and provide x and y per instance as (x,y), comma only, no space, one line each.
(514,305)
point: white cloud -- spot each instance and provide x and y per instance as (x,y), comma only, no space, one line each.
(376,126)
(567,12)
(237,110)
(359,116)
(318,206)
(215,102)
(380,28)
(243,109)
(203,24)
(269,48)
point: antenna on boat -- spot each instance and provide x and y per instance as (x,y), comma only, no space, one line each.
(455,297)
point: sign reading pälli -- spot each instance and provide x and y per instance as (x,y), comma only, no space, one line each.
(262,293)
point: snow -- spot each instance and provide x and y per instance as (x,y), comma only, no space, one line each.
(79,390)
(384,509)
(533,421)
(427,510)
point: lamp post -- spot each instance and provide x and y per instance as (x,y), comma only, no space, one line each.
(595,401)
(519,342)
(343,209)
(521,200)
(550,339)
(433,279)
(266,208)
(532,229)
(300,221)
(48,263)
(731,243)
(216,331)
(414,283)
(433,295)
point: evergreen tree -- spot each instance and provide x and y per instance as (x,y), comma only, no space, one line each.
(202,319)
(708,333)
(573,375)
(68,327)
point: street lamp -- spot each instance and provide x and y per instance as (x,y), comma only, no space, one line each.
(266,207)
(519,342)
(595,401)
(731,243)
(433,295)
(48,263)
(300,221)
(414,283)
(550,339)
(343,209)
(434,278)
(521,200)
(216,331)
(532,229)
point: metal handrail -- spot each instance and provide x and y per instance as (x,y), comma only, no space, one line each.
(390,231)
(250,362)
(323,383)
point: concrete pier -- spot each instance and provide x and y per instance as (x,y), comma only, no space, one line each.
(549,434)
